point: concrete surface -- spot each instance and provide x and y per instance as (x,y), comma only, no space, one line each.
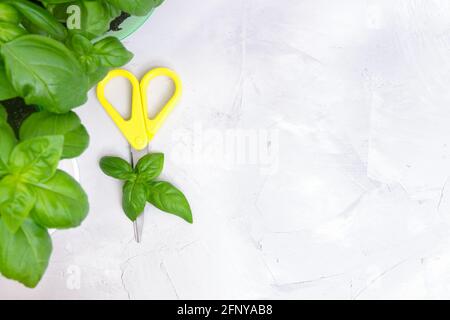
(313,142)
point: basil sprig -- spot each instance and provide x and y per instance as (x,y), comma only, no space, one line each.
(141,186)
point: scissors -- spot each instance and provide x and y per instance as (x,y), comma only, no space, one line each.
(139,130)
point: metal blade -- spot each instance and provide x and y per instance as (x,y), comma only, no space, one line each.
(136,155)
(138,224)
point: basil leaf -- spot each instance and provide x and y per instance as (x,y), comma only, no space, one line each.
(36,159)
(136,7)
(167,198)
(99,58)
(16,202)
(9,14)
(83,48)
(150,166)
(40,18)
(91,63)
(80,44)
(134,199)
(9,32)
(6,89)
(60,202)
(98,75)
(76,138)
(117,168)
(3,169)
(24,255)
(7,141)
(45,73)
(75,142)
(111,52)
(96,17)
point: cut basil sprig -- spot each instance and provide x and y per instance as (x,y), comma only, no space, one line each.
(141,186)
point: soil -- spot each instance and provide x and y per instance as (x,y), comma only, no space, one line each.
(17,111)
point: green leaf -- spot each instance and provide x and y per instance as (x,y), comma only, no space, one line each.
(3,169)
(111,52)
(117,168)
(9,14)
(134,199)
(92,19)
(6,89)
(40,18)
(24,255)
(60,202)
(136,7)
(76,138)
(9,32)
(167,198)
(83,49)
(96,17)
(98,75)
(58,8)
(80,44)
(16,202)
(75,142)
(99,58)
(45,73)
(36,159)
(7,142)
(150,166)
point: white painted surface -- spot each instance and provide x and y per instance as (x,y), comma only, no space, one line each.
(347,195)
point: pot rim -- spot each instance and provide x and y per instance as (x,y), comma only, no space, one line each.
(129,26)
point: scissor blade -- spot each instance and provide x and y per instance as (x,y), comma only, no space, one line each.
(138,224)
(136,155)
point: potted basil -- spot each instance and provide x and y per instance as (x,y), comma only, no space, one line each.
(52,52)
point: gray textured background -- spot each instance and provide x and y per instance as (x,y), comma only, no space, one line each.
(341,189)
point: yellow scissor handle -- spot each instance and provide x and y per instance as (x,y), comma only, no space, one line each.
(139,130)
(133,129)
(153,125)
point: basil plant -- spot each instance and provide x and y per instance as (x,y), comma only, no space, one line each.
(34,194)
(49,65)
(52,52)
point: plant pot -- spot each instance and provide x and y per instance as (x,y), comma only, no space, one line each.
(129,26)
